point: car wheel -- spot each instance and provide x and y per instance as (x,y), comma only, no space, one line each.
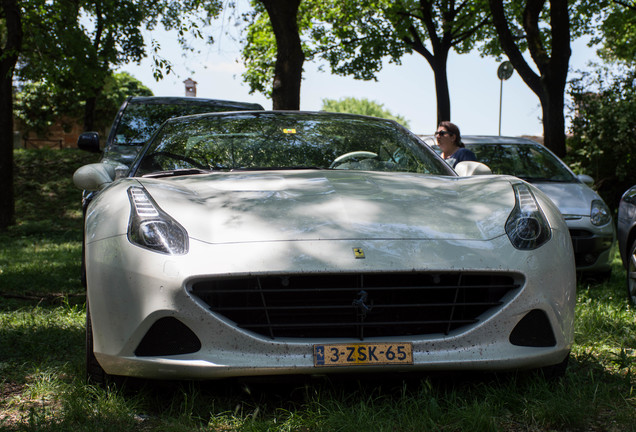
(83,268)
(631,274)
(595,277)
(95,374)
(556,371)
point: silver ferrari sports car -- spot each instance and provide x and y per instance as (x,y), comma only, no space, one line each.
(268,243)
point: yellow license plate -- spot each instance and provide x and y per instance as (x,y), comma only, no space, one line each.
(360,354)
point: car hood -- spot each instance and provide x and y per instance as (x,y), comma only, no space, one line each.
(319,205)
(573,199)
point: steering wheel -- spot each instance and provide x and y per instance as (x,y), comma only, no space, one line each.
(352,155)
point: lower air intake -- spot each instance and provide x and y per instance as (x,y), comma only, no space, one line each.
(168,336)
(534,330)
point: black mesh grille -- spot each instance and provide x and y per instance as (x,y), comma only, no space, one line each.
(580,234)
(355,305)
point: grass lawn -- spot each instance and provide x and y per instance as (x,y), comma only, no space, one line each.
(42,383)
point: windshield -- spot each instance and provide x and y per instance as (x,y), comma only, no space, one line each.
(527,161)
(140,120)
(285,140)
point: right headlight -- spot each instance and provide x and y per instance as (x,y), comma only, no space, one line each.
(599,213)
(527,227)
(152,228)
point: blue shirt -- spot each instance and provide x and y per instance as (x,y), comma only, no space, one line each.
(462,154)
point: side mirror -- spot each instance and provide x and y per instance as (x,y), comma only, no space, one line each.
(586,179)
(89,141)
(94,176)
(470,168)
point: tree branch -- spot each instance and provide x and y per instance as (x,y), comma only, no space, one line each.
(533,34)
(625,4)
(511,49)
(468,33)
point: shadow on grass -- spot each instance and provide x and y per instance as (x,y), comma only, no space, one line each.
(48,362)
(39,265)
(454,400)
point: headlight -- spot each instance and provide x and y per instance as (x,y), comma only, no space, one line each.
(599,214)
(527,227)
(152,228)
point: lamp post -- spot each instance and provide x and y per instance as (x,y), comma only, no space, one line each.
(504,71)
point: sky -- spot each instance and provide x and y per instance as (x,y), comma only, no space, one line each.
(406,89)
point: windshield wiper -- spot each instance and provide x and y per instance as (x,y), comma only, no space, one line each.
(544,179)
(281,168)
(176,172)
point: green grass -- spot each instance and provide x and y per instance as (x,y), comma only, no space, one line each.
(42,384)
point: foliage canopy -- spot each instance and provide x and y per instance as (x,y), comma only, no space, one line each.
(39,104)
(617,32)
(362,106)
(603,142)
(73,47)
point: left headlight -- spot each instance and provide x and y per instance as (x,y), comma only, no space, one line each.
(599,213)
(527,227)
(152,228)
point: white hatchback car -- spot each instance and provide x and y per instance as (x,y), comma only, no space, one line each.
(586,214)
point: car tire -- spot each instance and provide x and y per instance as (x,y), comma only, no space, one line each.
(631,274)
(95,374)
(556,371)
(83,268)
(595,277)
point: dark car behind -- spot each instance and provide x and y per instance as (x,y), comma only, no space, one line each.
(139,117)
(626,233)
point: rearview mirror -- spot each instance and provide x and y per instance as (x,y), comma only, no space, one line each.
(89,141)
(94,176)
(470,168)
(586,179)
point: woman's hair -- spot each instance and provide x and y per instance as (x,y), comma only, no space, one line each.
(452,129)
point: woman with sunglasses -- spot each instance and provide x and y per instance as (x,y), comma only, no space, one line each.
(450,143)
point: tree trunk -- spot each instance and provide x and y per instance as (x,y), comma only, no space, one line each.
(8,57)
(556,75)
(289,56)
(89,113)
(437,62)
(549,86)
(441,87)
(7,206)
(552,108)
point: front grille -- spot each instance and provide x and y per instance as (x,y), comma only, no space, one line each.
(355,305)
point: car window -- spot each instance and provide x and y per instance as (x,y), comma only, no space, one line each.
(140,120)
(277,141)
(527,161)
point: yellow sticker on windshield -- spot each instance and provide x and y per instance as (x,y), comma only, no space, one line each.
(289,131)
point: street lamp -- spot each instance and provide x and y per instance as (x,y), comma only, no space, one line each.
(504,71)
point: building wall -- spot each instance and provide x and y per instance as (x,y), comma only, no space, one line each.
(61,135)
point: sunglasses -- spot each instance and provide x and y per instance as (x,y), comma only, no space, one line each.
(442,133)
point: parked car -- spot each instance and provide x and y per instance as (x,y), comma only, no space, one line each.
(588,217)
(270,243)
(140,116)
(136,121)
(626,224)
